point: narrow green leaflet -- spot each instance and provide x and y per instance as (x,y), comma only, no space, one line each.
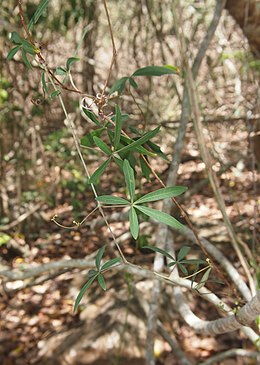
(139,149)
(83,291)
(28,47)
(39,11)
(102,145)
(101,281)
(55,93)
(204,278)
(92,273)
(60,71)
(160,216)
(133,83)
(99,171)
(129,179)
(163,193)
(112,200)
(140,140)
(25,59)
(87,140)
(156,71)
(70,62)
(15,38)
(110,263)
(124,117)
(157,249)
(92,117)
(118,86)
(12,53)
(45,87)
(118,128)
(99,256)
(145,169)
(183,252)
(133,220)
(182,268)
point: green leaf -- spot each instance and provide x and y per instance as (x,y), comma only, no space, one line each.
(124,117)
(45,87)
(101,281)
(145,169)
(163,193)
(160,216)
(183,269)
(83,291)
(39,11)
(15,38)
(110,263)
(60,71)
(102,145)
(183,252)
(54,94)
(133,83)
(118,86)
(140,140)
(99,256)
(87,141)
(156,149)
(193,261)
(92,273)
(139,149)
(129,179)
(70,62)
(155,71)
(25,59)
(157,249)
(119,162)
(204,278)
(112,200)
(133,220)
(28,47)
(12,53)
(99,171)
(91,116)
(118,127)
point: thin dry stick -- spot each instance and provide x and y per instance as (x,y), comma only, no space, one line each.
(114,48)
(204,150)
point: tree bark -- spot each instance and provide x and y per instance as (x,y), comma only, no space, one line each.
(247,14)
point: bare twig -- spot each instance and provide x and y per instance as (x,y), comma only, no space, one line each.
(231,353)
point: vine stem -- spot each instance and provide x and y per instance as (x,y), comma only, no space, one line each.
(76,142)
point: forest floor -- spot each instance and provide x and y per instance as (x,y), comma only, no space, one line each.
(37,322)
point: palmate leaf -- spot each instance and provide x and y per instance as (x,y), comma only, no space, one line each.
(83,291)
(99,256)
(112,200)
(110,263)
(39,11)
(99,171)
(134,225)
(163,193)
(129,179)
(156,71)
(160,216)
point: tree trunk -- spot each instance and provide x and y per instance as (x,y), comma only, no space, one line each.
(247,14)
